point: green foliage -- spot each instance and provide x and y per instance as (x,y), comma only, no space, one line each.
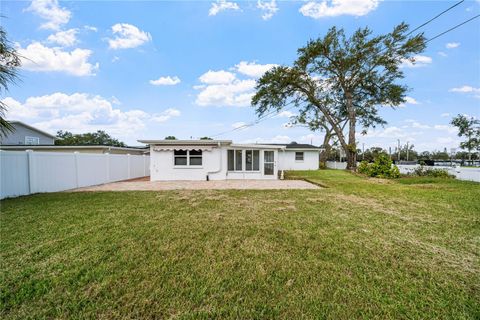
(206,138)
(170,138)
(9,65)
(423,171)
(338,81)
(468,127)
(66,138)
(381,168)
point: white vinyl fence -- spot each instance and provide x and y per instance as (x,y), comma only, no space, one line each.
(27,172)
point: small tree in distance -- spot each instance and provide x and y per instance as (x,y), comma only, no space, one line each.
(170,138)
(66,138)
(468,127)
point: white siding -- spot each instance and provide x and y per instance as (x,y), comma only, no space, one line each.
(214,164)
(288,162)
(29,172)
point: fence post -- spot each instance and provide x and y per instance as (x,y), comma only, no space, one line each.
(128,167)
(30,170)
(75,157)
(107,166)
(144,165)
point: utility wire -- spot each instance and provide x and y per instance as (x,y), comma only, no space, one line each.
(276,112)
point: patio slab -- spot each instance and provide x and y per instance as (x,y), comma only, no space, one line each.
(143,184)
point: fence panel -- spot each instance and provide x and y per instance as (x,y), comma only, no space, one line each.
(29,172)
(13,174)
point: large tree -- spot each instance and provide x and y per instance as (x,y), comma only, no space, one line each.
(9,64)
(468,127)
(341,78)
(66,138)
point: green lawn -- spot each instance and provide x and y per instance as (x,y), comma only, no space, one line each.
(361,248)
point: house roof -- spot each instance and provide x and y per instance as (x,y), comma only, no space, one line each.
(33,128)
(294,145)
(186,142)
(49,146)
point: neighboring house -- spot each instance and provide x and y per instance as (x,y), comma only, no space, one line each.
(80,149)
(25,134)
(222,159)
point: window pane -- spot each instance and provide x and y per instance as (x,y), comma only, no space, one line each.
(299,156)
(195,152)
(238,160)
(231,160)
(248,160)
(180,161)
(180,152)
(268,156)
(268,169)
(256,160)
(195,161)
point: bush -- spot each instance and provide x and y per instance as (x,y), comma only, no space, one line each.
(432,172)
(381,168)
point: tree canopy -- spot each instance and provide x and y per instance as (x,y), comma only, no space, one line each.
(338,82)
(170,138)
(66,138)
(468,127)
(9,64)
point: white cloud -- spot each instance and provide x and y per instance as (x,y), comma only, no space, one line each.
(222,5)
(268,8)
(445,115)
(37,57)
(128,36)
(443,54)
(51,11)
(82,112)
(65,38)
(115,59)
(416,62)
(285,114)
(91,28)
(237,125)
(253,69)
(237,93)
(166,81)
(452,45)
(333,8)
(217,77)
(444,127)
(410,100)
(166,115)
(467,89)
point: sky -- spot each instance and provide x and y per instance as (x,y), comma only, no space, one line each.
(150,69)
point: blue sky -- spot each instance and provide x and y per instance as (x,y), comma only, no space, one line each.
(187,68)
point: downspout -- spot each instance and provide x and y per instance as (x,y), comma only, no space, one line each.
(282,174)
(220,165)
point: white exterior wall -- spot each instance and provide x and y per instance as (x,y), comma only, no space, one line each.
(30,172)
(214,164)
(288,162)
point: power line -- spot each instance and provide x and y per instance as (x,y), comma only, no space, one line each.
(276,112)
(434,18)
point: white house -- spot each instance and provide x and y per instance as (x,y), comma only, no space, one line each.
(222,159)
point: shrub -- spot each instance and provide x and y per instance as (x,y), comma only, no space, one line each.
(381,168)
(422,171)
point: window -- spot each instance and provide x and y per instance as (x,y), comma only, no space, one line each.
(298,156)
(195,157)
(252,160)
(32,140)
(236,161)
(187,157)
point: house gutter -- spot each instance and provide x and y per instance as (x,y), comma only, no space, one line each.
(220,164)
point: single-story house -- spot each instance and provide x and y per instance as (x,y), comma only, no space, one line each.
(223,159)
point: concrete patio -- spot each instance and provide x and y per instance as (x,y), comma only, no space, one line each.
(145,184)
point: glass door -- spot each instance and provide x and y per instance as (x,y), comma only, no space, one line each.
(268,163)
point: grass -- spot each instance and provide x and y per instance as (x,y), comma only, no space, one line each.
(361,248)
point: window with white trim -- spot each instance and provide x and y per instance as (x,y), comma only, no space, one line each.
(187,157)
(299,156)
(32,140)
(243,160)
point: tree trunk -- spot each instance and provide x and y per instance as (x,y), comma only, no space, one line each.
(351,151)
(326,148)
